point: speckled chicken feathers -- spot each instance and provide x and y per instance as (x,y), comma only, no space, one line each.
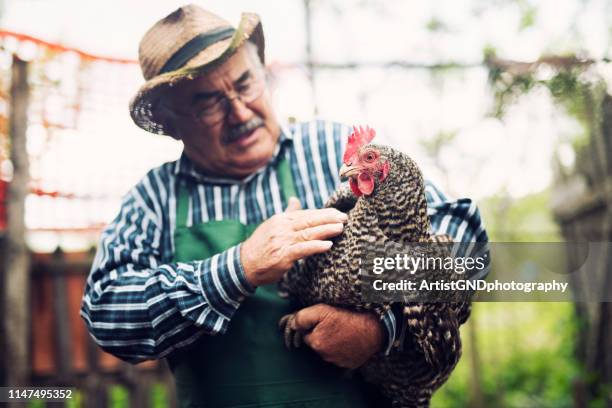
(396,213)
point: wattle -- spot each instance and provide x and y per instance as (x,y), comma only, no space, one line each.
(363,184)
(354,187)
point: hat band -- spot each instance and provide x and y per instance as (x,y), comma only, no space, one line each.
(194,46)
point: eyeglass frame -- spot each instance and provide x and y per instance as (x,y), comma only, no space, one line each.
(225,99)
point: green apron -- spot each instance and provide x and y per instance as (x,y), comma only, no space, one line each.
(249,366)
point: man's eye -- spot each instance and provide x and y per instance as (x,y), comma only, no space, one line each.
(208,103)
(243,88)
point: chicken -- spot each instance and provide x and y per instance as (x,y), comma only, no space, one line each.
(386,205)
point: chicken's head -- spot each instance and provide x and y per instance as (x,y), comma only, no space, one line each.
(363,164)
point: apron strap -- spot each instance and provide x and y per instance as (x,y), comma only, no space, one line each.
(182,205)
(286,179)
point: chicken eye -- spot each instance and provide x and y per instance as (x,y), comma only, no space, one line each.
(369,157)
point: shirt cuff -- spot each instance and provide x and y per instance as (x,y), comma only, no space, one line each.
(223,282)
(388,320)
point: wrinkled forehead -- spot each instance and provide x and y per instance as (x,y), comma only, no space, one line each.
(219,78)
(231,70)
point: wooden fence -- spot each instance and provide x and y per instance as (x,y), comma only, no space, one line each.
(62,352)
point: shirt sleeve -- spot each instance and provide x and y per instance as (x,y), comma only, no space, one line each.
(389,323)
(460,219)
(138,308)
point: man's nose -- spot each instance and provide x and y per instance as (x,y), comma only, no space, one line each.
(239,112)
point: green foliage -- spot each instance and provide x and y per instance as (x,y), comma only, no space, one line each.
(508,88)
(525,350)
(526,357)
(528,219)
(489,51)
(436,25)
(119,397)
(572,86)
(576,96)
(159,396)
(36,404)
(578,93)
(76,401)
(528,17)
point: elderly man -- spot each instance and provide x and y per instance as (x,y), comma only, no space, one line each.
(187,270)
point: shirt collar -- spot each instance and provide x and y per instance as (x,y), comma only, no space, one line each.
(184,167)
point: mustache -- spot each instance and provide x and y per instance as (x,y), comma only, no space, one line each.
(237,131)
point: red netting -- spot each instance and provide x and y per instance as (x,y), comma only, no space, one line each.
(85,153)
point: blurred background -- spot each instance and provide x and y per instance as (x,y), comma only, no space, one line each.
(504,101)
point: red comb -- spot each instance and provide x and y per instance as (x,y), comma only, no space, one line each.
(360,137)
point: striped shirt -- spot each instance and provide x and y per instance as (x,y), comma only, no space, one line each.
(139,304)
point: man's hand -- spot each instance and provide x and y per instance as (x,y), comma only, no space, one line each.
(284,238)
(341,337)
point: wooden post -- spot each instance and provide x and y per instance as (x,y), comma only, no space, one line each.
(476,394)
(309,54)
(16,282)
(63,342)
(3,367)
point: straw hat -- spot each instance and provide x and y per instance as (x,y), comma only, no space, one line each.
(183,45)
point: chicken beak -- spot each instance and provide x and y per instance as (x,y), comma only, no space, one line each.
(346,171)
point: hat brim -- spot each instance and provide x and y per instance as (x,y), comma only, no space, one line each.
(145,105)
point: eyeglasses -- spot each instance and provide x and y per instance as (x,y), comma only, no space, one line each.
(211,111)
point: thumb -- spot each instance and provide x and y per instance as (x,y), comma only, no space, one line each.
(306,319)
(293,205)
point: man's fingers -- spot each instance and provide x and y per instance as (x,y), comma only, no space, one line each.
(312,218)
(320,232)
(306,248)
(308,340)
(312,340)
(293,204)
(307,318)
